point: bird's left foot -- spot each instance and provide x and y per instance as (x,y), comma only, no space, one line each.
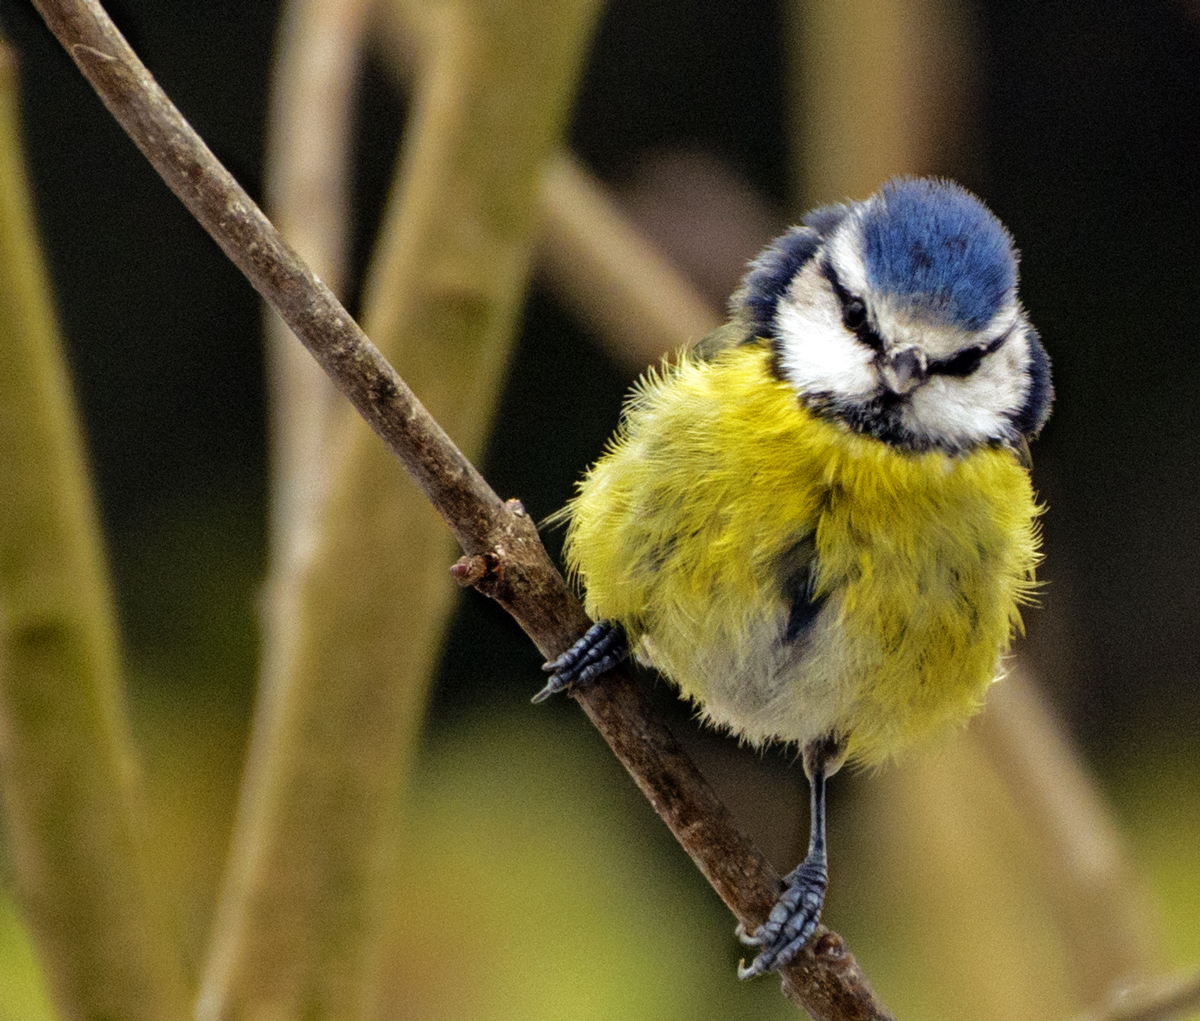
(792,922)
(602,648)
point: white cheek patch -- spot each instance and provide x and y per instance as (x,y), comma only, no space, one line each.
(817,354)
(974,408)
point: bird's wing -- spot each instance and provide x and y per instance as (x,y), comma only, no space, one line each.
(798,579)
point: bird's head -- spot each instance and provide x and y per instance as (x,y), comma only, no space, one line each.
(899,315)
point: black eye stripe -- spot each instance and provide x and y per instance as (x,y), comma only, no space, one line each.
(854,310)
(964,362)
(843,296)
(855,319)
(961,364)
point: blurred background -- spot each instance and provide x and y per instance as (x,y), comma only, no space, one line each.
(1079,124)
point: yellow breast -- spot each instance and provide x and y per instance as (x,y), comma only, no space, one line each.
(720,486)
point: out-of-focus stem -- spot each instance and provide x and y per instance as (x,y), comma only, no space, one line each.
(1164,999)
(68,768)
(351,658)
(616,280)
(1104,913)
(308,170)
(589,252)
(875,90)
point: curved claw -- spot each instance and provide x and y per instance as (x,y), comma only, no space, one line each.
(598,651)
(793,920)
(552,687)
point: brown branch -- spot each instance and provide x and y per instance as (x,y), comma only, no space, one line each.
(501,541)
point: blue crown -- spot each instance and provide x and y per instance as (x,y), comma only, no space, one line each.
(936,244)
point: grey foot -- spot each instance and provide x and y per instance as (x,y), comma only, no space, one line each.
(602,648)
(792,922)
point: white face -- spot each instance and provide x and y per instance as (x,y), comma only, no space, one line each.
(826,361)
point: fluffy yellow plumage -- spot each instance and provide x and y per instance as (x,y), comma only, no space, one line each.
(819,525)
(699,524)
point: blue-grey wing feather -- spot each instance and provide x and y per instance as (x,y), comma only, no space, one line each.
(798,580)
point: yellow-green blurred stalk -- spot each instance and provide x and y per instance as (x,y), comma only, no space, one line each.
(69,770)
(877,88)
(356,622)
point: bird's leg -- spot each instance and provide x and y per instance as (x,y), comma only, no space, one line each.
(795,915)
(598,651)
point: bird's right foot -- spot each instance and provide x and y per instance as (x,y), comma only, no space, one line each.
(602,648)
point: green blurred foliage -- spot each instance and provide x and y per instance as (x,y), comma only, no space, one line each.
(537,883)
(1157,796)
(528,855)
(23,993)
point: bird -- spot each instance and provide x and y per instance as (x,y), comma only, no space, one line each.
(819,523)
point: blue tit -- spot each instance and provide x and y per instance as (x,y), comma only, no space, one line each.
(819,523)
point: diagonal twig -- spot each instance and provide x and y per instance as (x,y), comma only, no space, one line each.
(505,559)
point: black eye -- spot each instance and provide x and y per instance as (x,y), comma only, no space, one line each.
(961,364)
(854,314)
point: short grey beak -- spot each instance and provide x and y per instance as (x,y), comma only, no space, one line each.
(903,368)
